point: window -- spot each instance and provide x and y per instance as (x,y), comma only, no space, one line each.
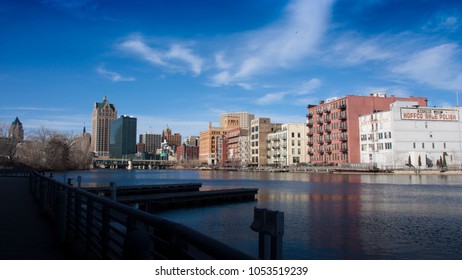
(389,134)
(371,147)
(293,134)
(299,135)
(413,144)
(299,151)
(388,146)
(363,137)
(426,125)
(363,147)
(379,146)
(433,145)
(444,145)
(293,142)
(299,143)
(423,145)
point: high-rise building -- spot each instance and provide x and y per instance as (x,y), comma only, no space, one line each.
(16,131)
(151,141)
(103,114)
(235,149)
(333,134)
(123,137)
(244,119)
(260,128)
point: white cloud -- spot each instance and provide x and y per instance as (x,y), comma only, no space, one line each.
(442,24)
(437,66)
(113,76)
(176,57)
(286,43)
(306,88)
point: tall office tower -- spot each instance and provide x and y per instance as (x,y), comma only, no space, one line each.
(123,137)
(16,131)
(152,141)
(103,114)
(244,119)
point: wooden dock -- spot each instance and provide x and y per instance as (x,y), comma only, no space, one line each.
(138,190)
(159,202)
(154,198)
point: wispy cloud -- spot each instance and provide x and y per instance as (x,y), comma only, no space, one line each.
(113,76)
(442,24)
(306,88)
(283,44)
(175,57)
(437,66)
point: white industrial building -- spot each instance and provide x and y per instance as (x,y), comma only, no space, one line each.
(409,136)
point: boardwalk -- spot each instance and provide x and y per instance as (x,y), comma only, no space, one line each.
(24,234)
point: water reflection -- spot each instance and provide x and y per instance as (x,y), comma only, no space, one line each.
(327,216)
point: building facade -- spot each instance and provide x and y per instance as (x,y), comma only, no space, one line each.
(333,127)
(410,136)
(151,142)
(235,154)
(244,119)
(211,145)
(123,137)
(103,114)
(192,141)
(260,128)
(173,140)
(185,153)
(288,146)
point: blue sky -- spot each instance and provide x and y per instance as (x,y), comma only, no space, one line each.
(181,62)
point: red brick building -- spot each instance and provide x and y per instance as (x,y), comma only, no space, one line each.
(184,152)
(333,126)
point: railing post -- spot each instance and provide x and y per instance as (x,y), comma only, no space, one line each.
(90,220)
(43,197)
(60,214)
(269,224)
(113,187)
(105,223)
(36,188)
(137,246)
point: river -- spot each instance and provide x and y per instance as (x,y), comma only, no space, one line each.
(327,216)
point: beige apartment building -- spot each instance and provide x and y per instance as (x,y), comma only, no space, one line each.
(260,128)
(103,114)
(288,146)
(211,145)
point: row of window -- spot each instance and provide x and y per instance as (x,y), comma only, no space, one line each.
(414,145)
(376,136)
(378,147)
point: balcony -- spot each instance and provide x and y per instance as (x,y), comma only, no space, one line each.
(310,142)
(343,126)
(342,116)
(327,129)
(321,150)
(319,111)
(344,150)
(342,106)
(310,152)
(327,140)
(328,149)
(343,137)
(310,133)
(319,130)
(319,120)
(309,115)
(310,123)
(321,141)
(327,119)
(327,109)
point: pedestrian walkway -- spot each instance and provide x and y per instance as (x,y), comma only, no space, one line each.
(24,233)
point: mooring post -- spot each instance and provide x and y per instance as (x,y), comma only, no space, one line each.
(270,228)
(113,187)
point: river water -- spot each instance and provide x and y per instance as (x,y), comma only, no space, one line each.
(327,216)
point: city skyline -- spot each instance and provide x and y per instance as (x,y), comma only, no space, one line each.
(180,64)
